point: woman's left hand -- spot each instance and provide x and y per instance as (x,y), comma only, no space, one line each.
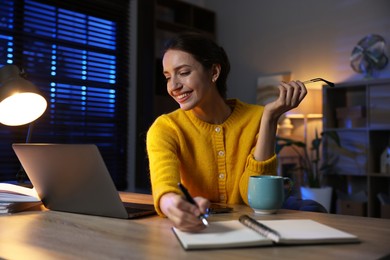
(290,96)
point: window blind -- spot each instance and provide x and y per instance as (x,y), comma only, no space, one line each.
(76,52)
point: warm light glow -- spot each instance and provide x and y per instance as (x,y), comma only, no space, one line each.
(314,116)
(21,108)
(311,104)
(295,116)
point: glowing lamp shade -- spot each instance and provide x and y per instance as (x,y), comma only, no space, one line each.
(20,101)
(25,107)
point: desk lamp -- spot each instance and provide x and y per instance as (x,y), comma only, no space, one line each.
(20,101)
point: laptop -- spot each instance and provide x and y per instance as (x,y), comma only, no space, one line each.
(74,178)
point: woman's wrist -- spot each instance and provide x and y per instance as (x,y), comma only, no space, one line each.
(270,118)
(165,201)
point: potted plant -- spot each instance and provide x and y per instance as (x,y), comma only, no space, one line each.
(311,165)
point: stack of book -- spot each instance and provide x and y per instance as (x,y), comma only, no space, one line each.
(15,198)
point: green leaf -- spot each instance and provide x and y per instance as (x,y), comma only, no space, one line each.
(316,143)
(334,136)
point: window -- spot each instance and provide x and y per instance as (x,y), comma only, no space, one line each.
(76,52)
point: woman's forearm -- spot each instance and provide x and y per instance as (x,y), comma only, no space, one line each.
(265,146)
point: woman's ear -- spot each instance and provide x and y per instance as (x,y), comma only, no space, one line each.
(215,70)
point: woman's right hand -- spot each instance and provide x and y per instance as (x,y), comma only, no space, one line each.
(290,96)
(184,215)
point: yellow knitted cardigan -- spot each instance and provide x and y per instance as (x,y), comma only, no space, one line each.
(212,161)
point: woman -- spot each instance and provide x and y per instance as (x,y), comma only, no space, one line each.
(211,144)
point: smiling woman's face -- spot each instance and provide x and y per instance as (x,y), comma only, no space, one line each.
(187,80)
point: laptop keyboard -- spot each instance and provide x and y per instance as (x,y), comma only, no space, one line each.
(137,208)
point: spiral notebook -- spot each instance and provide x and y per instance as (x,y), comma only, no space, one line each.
(233,234)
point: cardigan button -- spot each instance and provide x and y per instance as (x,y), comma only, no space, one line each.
(218,129)
(221,176)
(221,153)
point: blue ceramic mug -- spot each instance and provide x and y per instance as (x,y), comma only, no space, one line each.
(266,193)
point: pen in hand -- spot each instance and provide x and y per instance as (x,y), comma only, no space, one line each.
(192,201)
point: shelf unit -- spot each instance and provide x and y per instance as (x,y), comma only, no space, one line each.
(359,112)
(157,21)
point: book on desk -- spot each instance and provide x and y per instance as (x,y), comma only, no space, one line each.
(235,233)
(15,198)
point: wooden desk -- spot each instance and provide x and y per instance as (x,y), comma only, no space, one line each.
(57,235)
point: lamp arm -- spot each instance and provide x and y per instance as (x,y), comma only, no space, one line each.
(21,175)
(29,132)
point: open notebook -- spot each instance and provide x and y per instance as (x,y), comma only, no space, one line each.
(233,233)
(74,178)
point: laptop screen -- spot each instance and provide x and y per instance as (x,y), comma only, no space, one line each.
(71,178)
